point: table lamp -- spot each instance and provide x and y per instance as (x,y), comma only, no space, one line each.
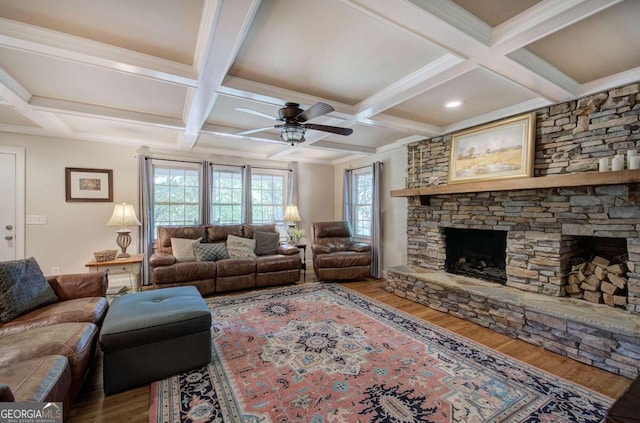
(291,215)
(123,215)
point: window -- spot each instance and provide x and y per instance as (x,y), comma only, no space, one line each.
(361,207)
(226,197)
(268,196)
(176,196)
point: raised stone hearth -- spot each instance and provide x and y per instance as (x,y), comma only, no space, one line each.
(590,333)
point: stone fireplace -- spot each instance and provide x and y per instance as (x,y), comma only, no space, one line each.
(538,235)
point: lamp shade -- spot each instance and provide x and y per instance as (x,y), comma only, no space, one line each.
(291,133)
(123,215)
(291,214)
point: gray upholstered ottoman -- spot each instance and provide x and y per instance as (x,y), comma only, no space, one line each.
(147,336)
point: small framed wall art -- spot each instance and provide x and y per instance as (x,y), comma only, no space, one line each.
(499,150)
(89,185)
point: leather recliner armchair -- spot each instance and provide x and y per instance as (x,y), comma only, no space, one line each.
(336,256)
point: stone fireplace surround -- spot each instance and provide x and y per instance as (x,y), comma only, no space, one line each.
(542,227)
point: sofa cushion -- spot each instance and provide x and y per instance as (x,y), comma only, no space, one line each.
(343,259)
(239,247)
(219,233)
(76,341)
(41,379)
(278,263)
(211,252)
(236,267)
(266,242)
(183,248)
(165,233)
(88,309)
(248,229)
(185,272)
(23,288)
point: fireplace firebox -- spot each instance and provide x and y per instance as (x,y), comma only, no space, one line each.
(477,253)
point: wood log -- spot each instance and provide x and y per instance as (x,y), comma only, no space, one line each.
(600,272)
(576,295)
(573,289)
(594,281)
(620,300)
(600,261)
(578,267)
(619,281)
(618,269)
(608,299)
(588,287)
(593,297)
(573,279)
(609,288)
(589,268)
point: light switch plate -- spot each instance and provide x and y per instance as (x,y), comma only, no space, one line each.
(36,219)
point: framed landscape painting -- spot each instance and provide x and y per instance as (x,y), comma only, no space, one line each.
(499,150)
(88,184)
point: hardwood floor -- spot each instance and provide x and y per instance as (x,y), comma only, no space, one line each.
(133,405)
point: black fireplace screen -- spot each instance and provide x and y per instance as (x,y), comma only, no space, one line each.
(477,253)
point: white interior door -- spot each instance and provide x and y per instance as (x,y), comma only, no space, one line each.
(11,203)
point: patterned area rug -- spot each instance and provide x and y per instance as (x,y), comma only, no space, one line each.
(323,353)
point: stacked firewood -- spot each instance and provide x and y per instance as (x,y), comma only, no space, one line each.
(599,280)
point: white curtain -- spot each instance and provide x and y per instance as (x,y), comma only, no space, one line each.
(376,222)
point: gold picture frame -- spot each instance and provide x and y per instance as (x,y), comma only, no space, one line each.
(88,185)
(498,150)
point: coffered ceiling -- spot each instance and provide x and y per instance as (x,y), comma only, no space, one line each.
(171,74)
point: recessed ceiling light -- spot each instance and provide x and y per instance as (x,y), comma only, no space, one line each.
(452,104)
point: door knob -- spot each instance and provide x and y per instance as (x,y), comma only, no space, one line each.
(8,237)
(8,227)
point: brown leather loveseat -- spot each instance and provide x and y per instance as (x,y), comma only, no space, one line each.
(336,255)
(46,353)
(230,274)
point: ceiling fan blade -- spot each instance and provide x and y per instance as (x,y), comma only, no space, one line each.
(253,131)
(314,111)
(255,112)
(332,129)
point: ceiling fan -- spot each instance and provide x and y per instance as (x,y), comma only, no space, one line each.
(293,120)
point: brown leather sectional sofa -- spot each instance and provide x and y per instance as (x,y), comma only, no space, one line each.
(227,274)
(46,353)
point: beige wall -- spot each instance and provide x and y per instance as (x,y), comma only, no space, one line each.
(75,230)
(394,210)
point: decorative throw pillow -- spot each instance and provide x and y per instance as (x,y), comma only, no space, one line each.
(23,288)
(182,248)
(239,247)
(211,252)
(266,242)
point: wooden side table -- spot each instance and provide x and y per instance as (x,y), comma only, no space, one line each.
(303,247)
(130,266)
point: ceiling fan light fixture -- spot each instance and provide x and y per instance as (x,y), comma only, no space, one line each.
(291,133)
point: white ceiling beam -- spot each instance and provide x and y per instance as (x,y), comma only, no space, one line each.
(336,146)
(54,105)
(543,19)
(446,28)
(14,94)
(230,21)
(46,42)
(612,81)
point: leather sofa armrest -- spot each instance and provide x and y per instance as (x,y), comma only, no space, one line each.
(320,249)
(5,393)
(161,259)
(287,249)
(79,285)
(360,247)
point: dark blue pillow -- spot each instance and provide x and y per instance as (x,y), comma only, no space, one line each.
(23,288)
